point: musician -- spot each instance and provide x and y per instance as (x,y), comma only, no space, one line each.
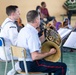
(35,59)
(58,25)
(38,9)
(19,24)
(9,29)
(45,13)
(70,6)
(66,23)
(64,34)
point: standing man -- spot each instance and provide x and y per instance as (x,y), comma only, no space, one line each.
(9,29)
(45,13)
(70,6)
(35,59)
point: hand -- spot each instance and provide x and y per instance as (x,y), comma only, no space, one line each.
(50,25)
(42,38)
(52,51)
(43,16)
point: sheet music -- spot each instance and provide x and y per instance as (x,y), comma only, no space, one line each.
(71,41)
(64,32)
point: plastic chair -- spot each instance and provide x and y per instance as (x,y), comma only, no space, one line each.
(3,49)
(20,52)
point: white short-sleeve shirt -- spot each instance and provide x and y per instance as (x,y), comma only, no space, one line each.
(28,38)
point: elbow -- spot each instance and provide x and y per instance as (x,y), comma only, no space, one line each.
(34,57)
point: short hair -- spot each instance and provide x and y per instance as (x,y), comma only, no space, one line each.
(37,7)
(10,9)
(31,15)
(42,3)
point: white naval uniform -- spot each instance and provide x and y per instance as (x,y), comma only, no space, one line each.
(9,33)
(28,38)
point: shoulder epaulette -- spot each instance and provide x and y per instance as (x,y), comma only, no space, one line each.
(12,27)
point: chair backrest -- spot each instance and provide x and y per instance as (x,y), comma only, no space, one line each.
(2,49)
(17,51)
(2,41)
(3,54)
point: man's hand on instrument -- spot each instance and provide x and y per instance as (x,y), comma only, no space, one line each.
(52,51)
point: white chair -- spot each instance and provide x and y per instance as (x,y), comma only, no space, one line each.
(21,53)
(3,49)
(3,53)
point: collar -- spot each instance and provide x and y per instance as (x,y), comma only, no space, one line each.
(6,21)
(32,28)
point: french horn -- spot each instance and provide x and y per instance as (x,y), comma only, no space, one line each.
(52,40)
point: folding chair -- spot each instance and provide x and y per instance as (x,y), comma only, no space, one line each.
(3,49)
(21,53)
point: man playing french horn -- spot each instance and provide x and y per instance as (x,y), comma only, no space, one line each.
(35,58)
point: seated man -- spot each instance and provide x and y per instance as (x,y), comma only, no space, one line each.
(45,13)
(70,6)
(9,29)
(35,58)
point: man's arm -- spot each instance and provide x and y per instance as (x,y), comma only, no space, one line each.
(47,12)
(13,33)
(42,15)
(36,55)
(65,7)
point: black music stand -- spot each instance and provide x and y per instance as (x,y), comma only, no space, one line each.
(61,54)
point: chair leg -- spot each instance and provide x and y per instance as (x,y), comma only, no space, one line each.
(40,74)
(18,74)
(34,74)
(5,73)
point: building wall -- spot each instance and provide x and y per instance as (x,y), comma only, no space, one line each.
(54,6)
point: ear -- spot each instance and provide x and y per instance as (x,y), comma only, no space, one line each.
(12,13)
(35,21)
